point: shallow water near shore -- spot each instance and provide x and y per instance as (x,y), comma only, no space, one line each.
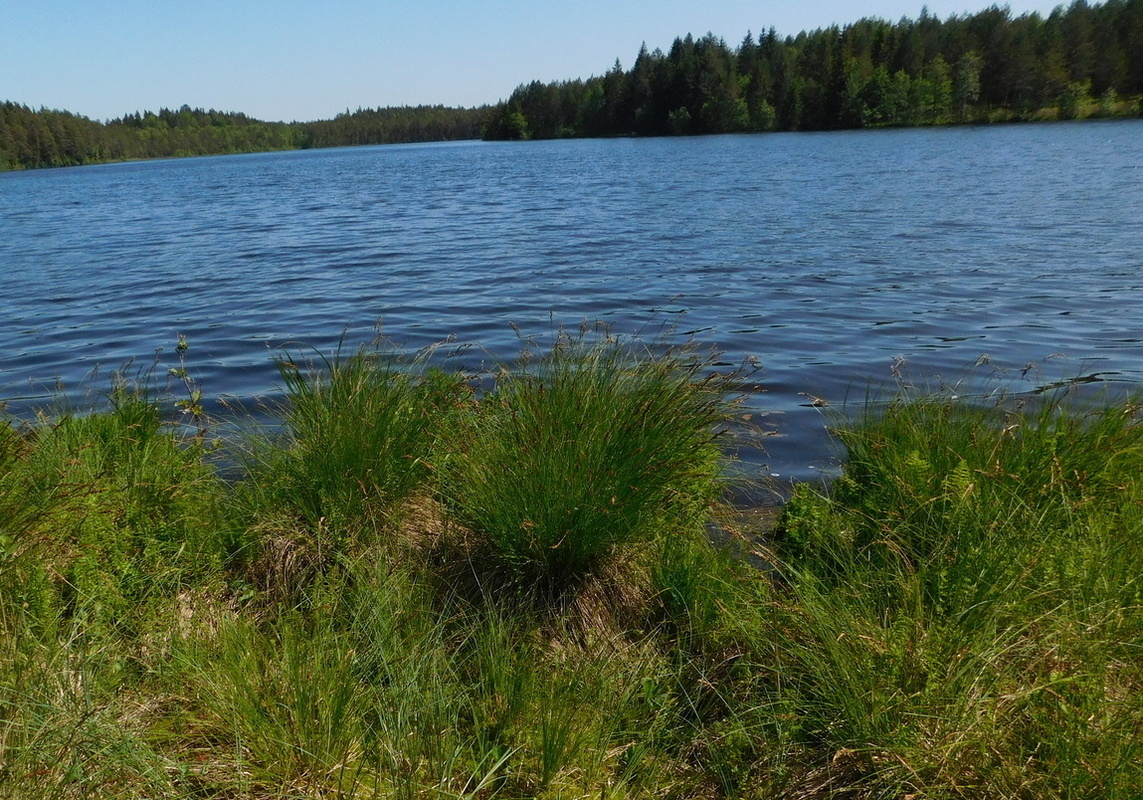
(840,263)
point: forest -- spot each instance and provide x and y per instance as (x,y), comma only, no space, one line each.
(1083,60)
(47,138)
(1080,61)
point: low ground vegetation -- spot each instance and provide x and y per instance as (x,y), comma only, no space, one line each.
(415,589)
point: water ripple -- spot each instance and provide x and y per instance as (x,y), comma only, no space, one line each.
(825,257)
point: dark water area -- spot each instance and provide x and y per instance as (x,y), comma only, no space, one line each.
(827,258)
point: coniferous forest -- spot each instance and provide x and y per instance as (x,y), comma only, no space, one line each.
(1083,60)
(48,138)
(1080,61)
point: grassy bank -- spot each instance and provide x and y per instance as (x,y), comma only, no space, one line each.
(415,590)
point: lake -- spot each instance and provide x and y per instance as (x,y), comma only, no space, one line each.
(835,260)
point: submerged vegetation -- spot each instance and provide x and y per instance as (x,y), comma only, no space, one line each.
(411,588)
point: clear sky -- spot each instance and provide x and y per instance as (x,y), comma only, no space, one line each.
(310,59)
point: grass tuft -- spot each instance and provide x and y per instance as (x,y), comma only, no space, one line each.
(579,456)
(359,436)
(965,606)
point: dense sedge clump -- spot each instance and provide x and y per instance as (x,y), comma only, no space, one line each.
(591,449)
(114,507)
(357,439)
(360,435)
(932,484)
(963,608)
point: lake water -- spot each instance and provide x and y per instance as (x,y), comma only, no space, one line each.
(828,257)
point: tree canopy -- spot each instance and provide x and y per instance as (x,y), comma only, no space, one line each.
(1081,60)
(47,138)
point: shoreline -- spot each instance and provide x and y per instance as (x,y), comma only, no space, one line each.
(1133,111)
(415,591)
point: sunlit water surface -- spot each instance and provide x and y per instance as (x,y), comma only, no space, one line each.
(827,258)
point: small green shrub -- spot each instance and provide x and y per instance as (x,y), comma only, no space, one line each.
(25,589)
(16,512)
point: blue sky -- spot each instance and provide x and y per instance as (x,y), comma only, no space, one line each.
(290,59)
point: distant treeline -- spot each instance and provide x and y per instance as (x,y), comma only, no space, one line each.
(1080,61)
(1083,60)
(48,138)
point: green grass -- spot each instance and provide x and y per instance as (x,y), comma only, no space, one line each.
(583,455)
(112,510)
(358,439)
(959,616)
(107,519)
(968,599)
